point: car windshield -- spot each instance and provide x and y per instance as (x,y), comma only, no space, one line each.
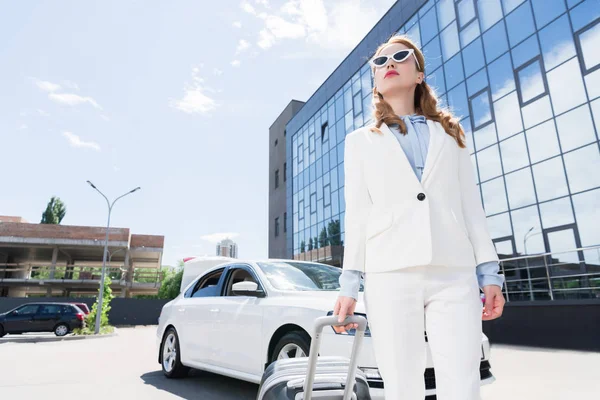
(297,276)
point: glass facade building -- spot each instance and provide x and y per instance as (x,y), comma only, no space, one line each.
(523,75)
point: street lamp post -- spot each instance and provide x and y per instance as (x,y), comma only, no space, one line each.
(105,252)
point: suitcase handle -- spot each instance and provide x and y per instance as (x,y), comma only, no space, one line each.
(315,344)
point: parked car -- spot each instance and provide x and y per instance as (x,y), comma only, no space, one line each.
(60,318)
(83,307)
(238,317)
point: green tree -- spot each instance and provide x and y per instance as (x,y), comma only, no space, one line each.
(107,296)
(323,239)
(171,283)
(302,246)
(310,244)
(55,211)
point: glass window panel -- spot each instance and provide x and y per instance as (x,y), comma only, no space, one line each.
(584,14)
(531,81)
(514,153)
(589,46)
(566,87)
(436,80)
(358,121)
(499,225)
(445,12)
(520,24)
(525,51)
(546,10)
(477,82)
(508,116)
(579,164)
(550,181)
(575,128)
(469,33)
(357,103)
(473,53)
(426,7)
(587,212)
(592,82)
(523,221)
(490,12)
(466,124)
(349,123)
(596,112)
(457,100)
(501,76)
(557,43)
(536,112)
(510,5)
(489,163)
(480,106)
(367,107)
(543,142)
(495,42)
(573,3)
(485,136)
(339,108)
(429,26)
(450,44)
(504,248)
(347,100)
(366,82)
(494,196)
(454,71)
(563,242)
(519,185)
(466,11)
(556,213)
(415,35)
(433,54)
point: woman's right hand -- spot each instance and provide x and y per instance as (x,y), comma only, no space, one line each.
(344,306)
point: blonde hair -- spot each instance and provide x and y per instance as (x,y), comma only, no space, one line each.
(426,102)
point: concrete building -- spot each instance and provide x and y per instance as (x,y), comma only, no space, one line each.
(227,248)
(278,194)
(63,260)
(524,77)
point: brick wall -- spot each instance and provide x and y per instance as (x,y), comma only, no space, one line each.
(147,241)
(48,231)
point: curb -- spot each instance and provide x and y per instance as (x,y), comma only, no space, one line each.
(50,339)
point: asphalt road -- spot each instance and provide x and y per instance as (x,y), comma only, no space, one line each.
(125,367)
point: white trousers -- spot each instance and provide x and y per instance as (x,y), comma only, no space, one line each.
(445,302)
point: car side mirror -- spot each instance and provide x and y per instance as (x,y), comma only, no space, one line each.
(16,312)
(247,288)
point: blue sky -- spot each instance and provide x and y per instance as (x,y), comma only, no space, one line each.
(176,97)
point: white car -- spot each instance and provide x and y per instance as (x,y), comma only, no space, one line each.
(238,317)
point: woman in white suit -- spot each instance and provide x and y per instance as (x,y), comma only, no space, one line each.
(416,230)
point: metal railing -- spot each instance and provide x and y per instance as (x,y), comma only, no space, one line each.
(573,274)
(70,273)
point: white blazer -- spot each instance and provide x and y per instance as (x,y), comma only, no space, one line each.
(394,221)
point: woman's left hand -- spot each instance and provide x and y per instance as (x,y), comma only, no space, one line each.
(494,302)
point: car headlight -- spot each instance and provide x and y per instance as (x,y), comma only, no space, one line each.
(352,331)
(371,373)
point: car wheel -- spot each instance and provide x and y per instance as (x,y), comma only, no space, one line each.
(171,356)
(61,330)
(2,333)
(292,345)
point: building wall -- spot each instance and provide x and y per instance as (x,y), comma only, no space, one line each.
(278,195)
(523,75)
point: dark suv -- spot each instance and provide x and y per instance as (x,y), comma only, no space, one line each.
(60,318)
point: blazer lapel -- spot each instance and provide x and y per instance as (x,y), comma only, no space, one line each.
(391,141)
(437,139)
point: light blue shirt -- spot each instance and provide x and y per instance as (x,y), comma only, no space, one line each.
(416,145)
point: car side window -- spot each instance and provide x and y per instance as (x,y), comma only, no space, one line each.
(30,309)
(66,310)
(50,309)
(207,286)
(238,275)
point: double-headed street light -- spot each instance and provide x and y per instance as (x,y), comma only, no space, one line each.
(101,292)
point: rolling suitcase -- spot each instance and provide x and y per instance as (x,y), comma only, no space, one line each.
(322,378)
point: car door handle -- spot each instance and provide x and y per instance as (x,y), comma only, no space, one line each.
(214,310)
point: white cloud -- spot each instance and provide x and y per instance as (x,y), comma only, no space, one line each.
(248,7)
(71,85)
(217,72)
(73,99)
(104,117)
(46,86)
(217,237)
(237,24)
(242,45)
(264,3)
(22,127)
(75,141)
(195,100)
(235,63)
(266,39)
(43,113)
